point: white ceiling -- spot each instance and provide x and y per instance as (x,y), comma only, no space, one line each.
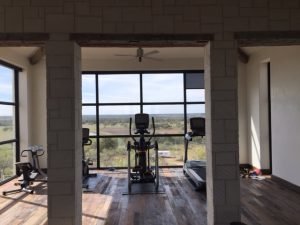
(109,53)
(22,51)
(163,53)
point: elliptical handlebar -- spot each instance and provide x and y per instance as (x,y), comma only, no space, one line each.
(34,150)
(153,126)
(130,122)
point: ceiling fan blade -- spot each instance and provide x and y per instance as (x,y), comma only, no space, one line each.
(151,52)
(152,58)
(124,55)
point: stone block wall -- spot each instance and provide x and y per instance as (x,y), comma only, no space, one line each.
(222,18)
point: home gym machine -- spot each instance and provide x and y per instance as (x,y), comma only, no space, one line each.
(195,169)
(142,172)
(27,172)
(86,162)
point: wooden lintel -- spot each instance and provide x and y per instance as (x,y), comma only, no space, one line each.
(37,56)
(243,56)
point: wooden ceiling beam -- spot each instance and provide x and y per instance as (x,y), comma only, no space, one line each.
(243,56)
(37,56)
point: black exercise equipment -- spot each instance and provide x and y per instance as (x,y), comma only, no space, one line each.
(195,169)
(86,162)
(142,172)
(27,172)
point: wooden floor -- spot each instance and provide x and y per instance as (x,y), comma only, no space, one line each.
(263,203)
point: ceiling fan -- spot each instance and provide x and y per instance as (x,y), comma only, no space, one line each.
(140,55)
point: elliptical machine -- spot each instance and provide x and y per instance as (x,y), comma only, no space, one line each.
(86,162)
(142,172)
(28,172)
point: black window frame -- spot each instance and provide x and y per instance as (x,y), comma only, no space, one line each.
(140,104)
(14,103)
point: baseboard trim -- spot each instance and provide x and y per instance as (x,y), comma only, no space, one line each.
(286,183)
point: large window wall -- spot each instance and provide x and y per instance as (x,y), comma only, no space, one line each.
(110,99)
(9,126)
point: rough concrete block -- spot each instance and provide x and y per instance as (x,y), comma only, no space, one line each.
(124,28)
(191,13)
(258,24)
(279,14)
(187,27)
(280,25)
(226,172)
(88,24)
(225,110)
(61,158)
(219,192)
(233,24)
(33,25)
(163,24)
(13,19)
(233,192)
(60,23)
(141,14)
(63,210)
(112,14)
(230,11)
(82,8)
(211,27)
(225,158)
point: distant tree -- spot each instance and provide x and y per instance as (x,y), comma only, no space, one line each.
(6,160)
(108,143)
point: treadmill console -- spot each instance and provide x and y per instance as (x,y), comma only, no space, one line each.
(198,126)
(85,135)
(141,121)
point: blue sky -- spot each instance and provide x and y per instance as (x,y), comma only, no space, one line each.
(6,90)
(125,88)
(121,88)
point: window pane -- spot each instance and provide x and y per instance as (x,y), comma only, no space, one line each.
(91,152)
(119,88)
(194,80)
(6,84)
(88,89)
(7,122)
(196,150)
(113,152)
(169,119)
(171,151)
(195,95)
(114,120)
(196,110)
(163,87)
(7,160)
(89,119)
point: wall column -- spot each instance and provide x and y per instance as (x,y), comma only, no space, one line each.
(223,187)
(64,131)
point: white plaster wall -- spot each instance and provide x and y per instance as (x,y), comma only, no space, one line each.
(285,109)
(131,64)
(242,109)
(38,112)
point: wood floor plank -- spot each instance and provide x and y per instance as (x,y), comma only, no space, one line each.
(265,202)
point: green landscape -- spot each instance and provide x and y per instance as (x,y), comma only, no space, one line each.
(6,150)
(113,149)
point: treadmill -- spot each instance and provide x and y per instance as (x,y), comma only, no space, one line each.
(195,169)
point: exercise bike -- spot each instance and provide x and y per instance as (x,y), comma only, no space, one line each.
(142,172)
(27,172)
(86,162)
